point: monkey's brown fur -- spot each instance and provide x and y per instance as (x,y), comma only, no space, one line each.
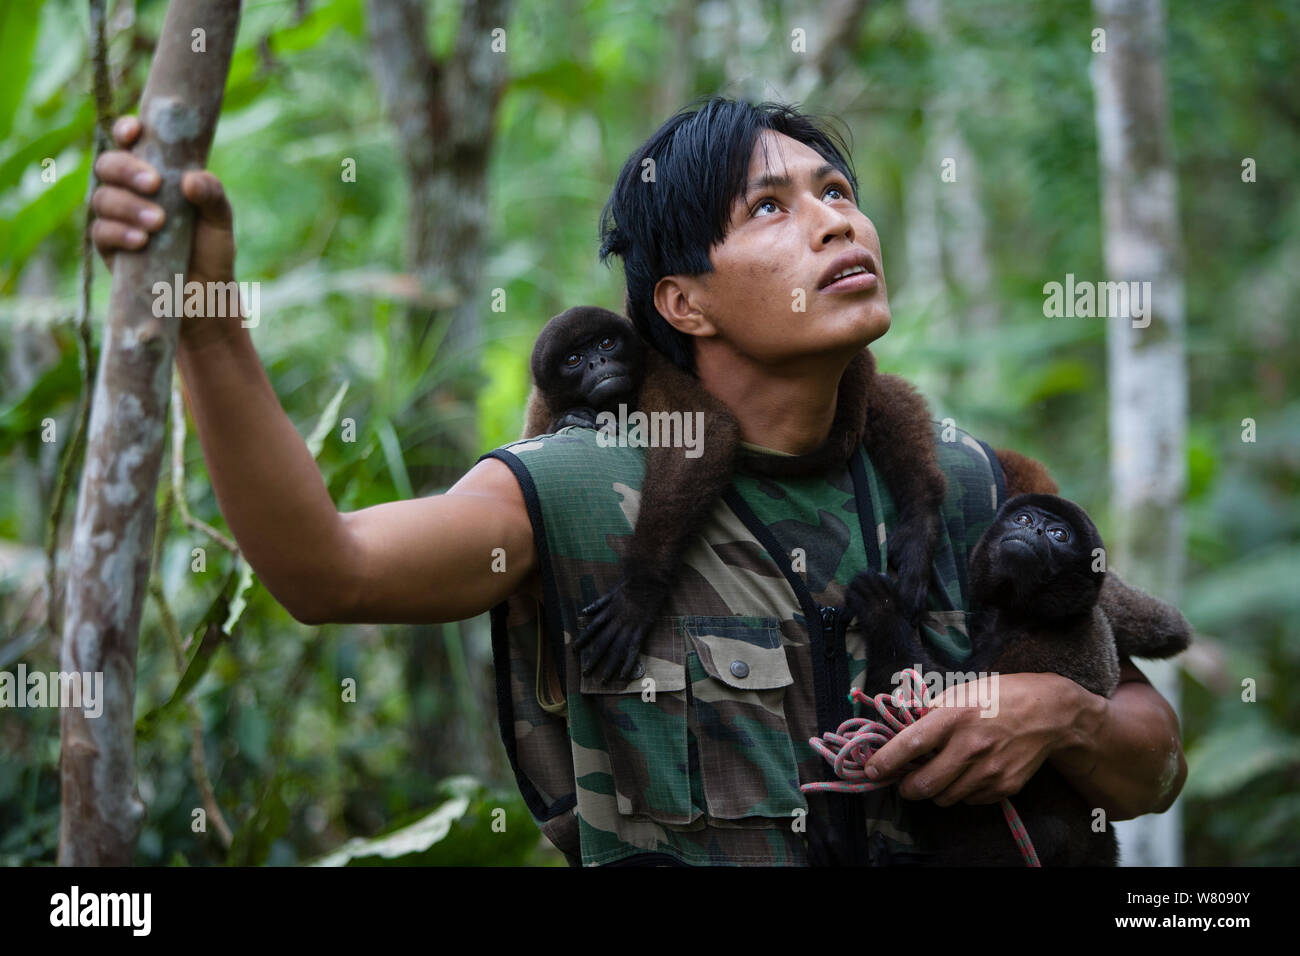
(1070,617)
(882,411)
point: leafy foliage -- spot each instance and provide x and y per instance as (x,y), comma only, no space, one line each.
(304,774)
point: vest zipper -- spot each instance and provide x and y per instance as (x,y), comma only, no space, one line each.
(830,618)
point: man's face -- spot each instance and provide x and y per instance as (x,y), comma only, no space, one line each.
(770,296)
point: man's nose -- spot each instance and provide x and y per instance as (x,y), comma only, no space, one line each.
(833,224)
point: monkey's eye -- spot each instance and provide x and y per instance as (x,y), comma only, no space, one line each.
(572,359)
(607,343)
(1023,518)
(1060,534)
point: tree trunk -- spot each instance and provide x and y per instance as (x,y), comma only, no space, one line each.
(961,278)
(113,535)
(444,112)
(1147,366)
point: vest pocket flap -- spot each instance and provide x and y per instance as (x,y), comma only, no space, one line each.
(743,652)
(662,660)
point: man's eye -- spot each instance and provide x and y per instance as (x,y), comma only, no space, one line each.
(841,193)
(760,204)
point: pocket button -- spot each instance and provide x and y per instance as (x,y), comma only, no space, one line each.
(739,668)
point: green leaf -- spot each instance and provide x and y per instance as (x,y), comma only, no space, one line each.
(476,826)
(1263,584)
(239,600)
(407,841)
(204,641)
(393,456)
(326,422)
(19,20)
(58,384)
(40,217)
(27,152)
(1228,758)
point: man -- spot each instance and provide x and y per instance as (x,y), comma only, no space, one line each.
(743,211)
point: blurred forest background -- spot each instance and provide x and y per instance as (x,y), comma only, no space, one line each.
(351,270)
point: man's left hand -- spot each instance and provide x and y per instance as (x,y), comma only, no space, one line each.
(981,759)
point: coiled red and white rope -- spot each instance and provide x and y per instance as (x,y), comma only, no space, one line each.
(857,739)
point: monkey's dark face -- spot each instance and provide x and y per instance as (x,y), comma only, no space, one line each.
(588,356)
(1035,542)
(1038,556)
(598,372)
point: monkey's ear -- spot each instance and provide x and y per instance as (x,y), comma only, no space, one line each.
(674,297)
(1024,475)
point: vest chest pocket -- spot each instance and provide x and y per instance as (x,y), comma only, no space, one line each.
(738,675)
(644,727)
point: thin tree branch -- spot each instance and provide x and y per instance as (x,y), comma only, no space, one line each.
(103,94)
(170,627)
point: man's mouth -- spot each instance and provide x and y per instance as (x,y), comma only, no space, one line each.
(851,271)
(855,281)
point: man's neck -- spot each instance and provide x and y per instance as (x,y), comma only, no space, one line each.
(790,411)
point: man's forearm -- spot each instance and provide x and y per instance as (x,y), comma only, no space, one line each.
(1126,756)
(267,484)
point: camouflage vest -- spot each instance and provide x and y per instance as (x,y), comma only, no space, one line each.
(699,758)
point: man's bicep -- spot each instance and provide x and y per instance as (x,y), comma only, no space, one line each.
(1128,672)
(443,557)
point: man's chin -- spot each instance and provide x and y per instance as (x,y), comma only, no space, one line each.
(859,330)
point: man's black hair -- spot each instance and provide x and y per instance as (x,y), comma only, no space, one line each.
(663,218)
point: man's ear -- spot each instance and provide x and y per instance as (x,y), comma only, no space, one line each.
(677,299)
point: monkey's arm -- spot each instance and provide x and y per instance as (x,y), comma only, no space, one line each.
(677,495)
(1144,626)
(900,444)
(1125,753)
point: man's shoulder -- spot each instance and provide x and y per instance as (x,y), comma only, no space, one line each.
(572,448)
(574,471)
(958,448)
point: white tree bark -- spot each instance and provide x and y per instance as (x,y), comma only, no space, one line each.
(113,535)
(1147,366)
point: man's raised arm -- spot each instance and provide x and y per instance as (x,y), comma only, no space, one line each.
(424,560)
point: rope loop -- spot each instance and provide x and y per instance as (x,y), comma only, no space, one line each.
(856,740)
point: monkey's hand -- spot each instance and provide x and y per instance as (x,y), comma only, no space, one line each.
(872,597)
(911,550)
(614,635)
(582,416)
